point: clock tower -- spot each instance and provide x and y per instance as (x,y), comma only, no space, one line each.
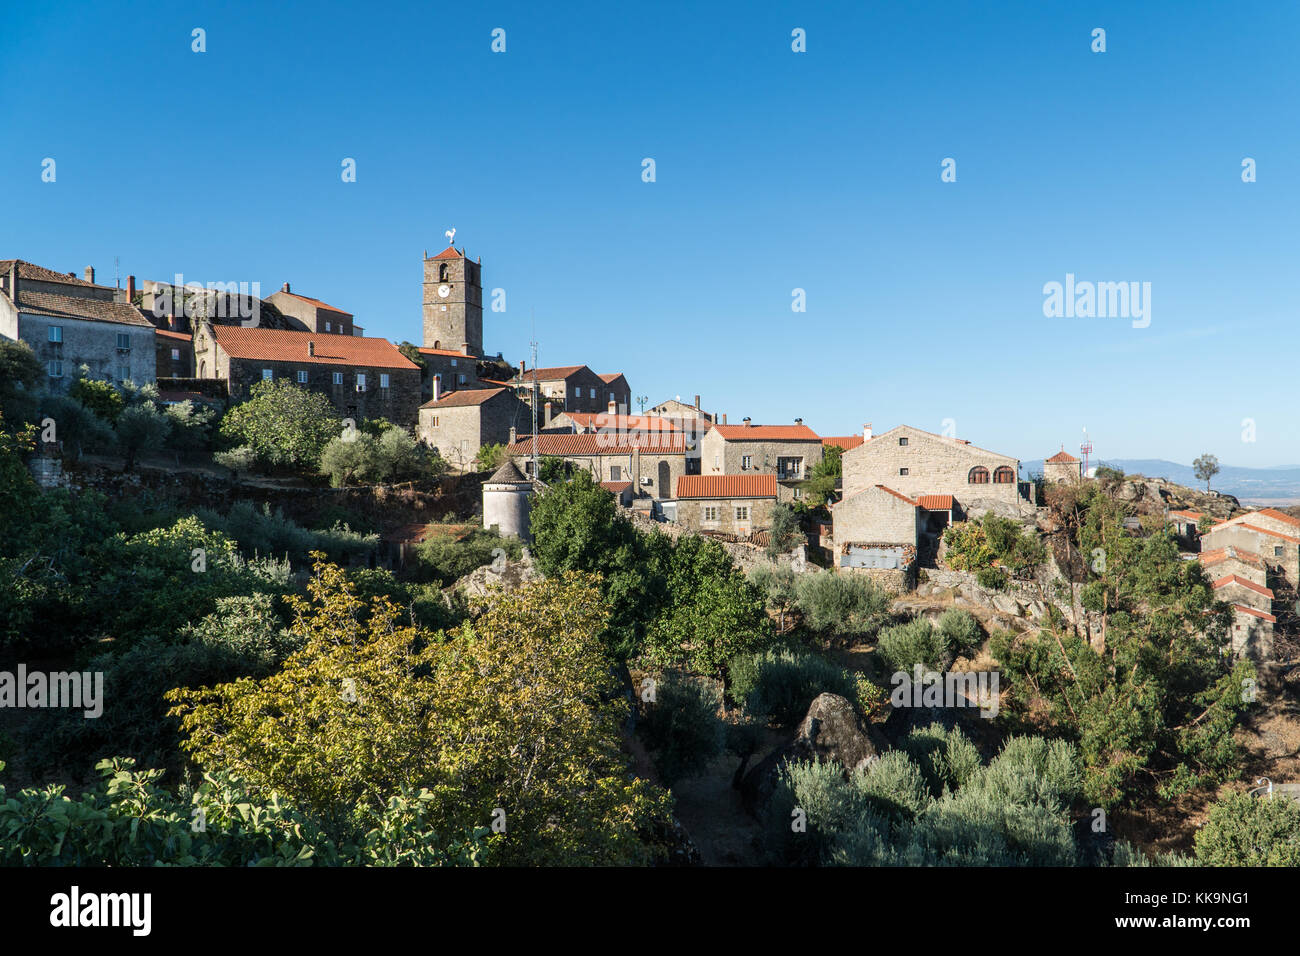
(453,302)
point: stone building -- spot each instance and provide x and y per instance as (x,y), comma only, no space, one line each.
(652,462)
(572,388)
(1269,533)
(1252,632)
(506,502)
(1062,467)
(1234,561)
(787,451)
(363,377)
(446,371)
(678,411)
(453,302)
(877,516)
(1235,589)
(312,315)
(916,462)
(730,504)
(1185,525)
(458,424)
(609,421)
(175,358)
(71,322)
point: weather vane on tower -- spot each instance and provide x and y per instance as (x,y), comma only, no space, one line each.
(451,235)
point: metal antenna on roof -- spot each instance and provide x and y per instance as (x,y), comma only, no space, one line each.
(117,280)
(533,343)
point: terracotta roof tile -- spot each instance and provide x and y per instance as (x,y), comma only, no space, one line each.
(726,486)
(76,307)
(319,304)
(1189,515)
(30,270)
(1258,530)
(279,345)
(843,441)
(604,420)
(662,443)
(1061,457)
(1255,612)
(1224,581)
(618,487)
(175,336)
(464,398)
(450,253)
(767,433)
(551,374)
(1223,554)
(935,502)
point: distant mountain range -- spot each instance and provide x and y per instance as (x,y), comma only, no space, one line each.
(1277,485)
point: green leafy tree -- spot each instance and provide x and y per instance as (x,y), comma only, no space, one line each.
(490,457)
(1250,831)
(192,428)
(349,459)
(141,428)
(779,587)
(841,603)
(785,532)
(100,397)
(285,425)
(400,457)
(21,375)
(819,487)
(1206,467)
(77,427)
(238,460)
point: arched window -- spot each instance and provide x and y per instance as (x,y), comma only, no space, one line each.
(1003,476)
(979,475)
(437,344)
(442,272)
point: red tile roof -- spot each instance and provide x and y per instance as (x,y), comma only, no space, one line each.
(1223,554)
(1190,515)
(169,334)
(662,443)
(1258,530)
(1060,457)
(490,381)
(464,398)
(279,345)
(617,487)
(901,497)
(450,253)
(766,433)
(1255,612)
(611,377)
(450,352)
(551,374)
(645,423)
(1224,581)
(843,441)
(1280,516)
(726,486)
(77,307)
(319,304)
(935,502)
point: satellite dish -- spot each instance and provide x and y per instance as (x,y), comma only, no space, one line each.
(451,235)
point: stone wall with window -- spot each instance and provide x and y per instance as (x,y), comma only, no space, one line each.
(739,516)
(916,462)
(110,350)
(788,460)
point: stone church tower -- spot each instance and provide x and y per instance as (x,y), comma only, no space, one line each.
(453,303)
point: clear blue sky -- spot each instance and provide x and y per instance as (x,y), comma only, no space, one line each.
(775,170)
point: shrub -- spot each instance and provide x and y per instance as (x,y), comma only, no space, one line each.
(841,603)
(445,560)
(681,726)
(903,646)
(946,757)
(1250,831)
(779,685)
(961,631)
(241,459)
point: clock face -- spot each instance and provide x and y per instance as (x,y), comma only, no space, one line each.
(444,290)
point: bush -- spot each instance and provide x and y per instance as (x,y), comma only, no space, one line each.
(445,560)
(779,685)
(946,757)
(961,631)
(841,603)
(903,646)
(1250,831)
(241,459)
(681,726)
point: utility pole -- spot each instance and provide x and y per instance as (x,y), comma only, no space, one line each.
(536,474)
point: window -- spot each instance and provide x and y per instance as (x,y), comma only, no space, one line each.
(615,472)
(746,461)
(902,441)
(593,393)
(123,372)
(611,396)
(798,493)
(1278,551)
(433,421)
(460,379)
(979,475)
(710,512)
(453,363)
(361,379)
(124,341)
(902,471)
(56,333)
(338,378)
(55,368)
(176,355)
(742,512)
(327,326)
(1004,476)
(383,380)
(267,375)
(788,468)
(302,376)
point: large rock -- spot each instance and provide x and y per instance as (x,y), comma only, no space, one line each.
(831,730)
(502,575)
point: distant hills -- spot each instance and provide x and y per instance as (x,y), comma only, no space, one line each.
(1276,485)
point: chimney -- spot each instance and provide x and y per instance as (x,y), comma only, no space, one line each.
(613,408)
(90,274)
(464,348)
(311,348)
(437,387)
(697,403)
(13,282)
(285,287)
(546,415)
(171,322)
(724,418)
(866,432)
(130,288)
(521,368)
(513,436)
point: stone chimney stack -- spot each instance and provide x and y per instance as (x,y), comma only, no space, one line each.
(464,348)
(285,287)
(798,421)
(866,432)
(130,289)
(513,435)
(521,368)
(724,419)
(13,282)
(437,387)
(697,403)
(546,415)
(90,274)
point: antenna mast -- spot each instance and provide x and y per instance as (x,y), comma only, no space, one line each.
(1086,449)
(536,474)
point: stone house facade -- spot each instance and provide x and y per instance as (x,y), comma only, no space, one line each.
(363,377)
(730,504)
(453,302)
(175,354)
(652,462)
(1234,561)
(1269,533)
(876,516)
(446,371)
(572,388)
(678,411)
(311,315)
(71,322)
(787,451)
(457,425)
(1062,467)
(916,462)
(1252,632)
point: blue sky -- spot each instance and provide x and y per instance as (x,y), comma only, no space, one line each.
(775,170)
